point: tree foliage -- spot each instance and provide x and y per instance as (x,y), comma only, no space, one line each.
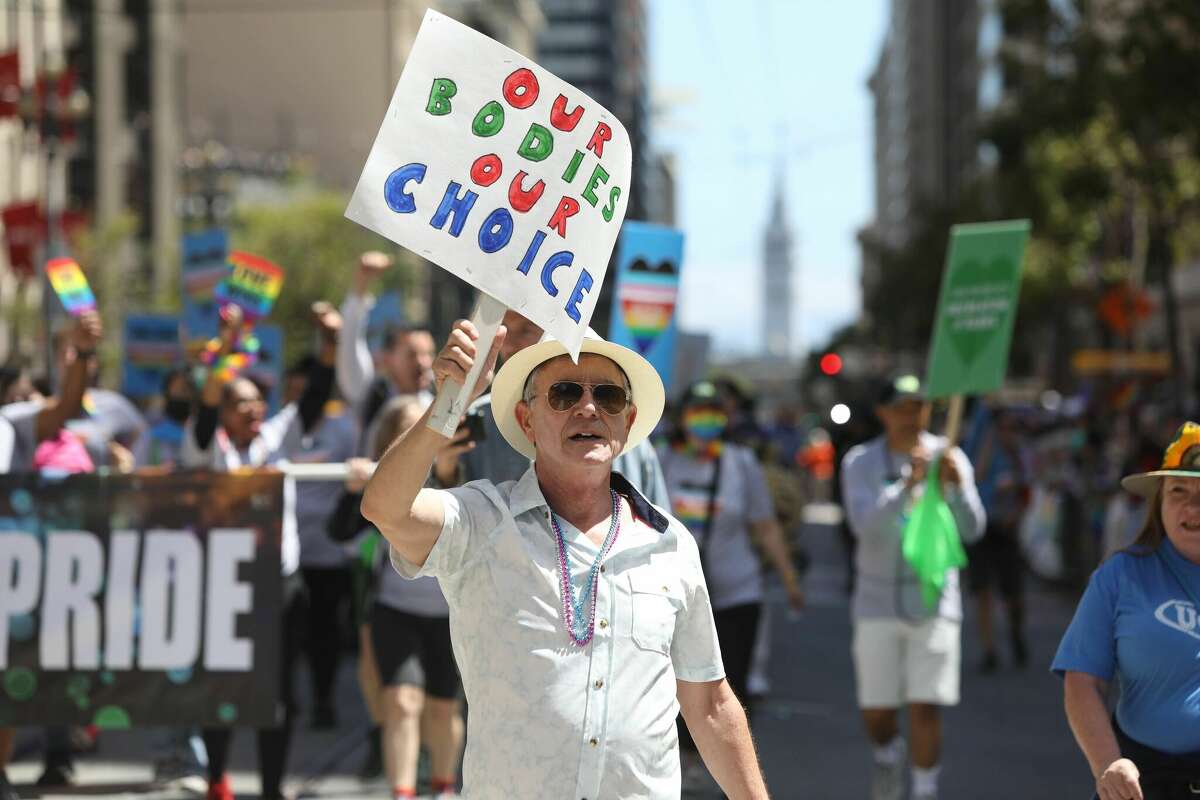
(1096,140)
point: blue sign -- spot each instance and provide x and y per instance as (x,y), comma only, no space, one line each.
(152,348)
(648,262)
(205,261)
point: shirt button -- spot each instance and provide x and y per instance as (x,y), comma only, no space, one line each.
(665,589)
(599,684)
(602,569)
(603,623)
(593,742)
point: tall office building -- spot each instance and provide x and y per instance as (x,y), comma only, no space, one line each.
(777,281)
(925,89)
(599,46)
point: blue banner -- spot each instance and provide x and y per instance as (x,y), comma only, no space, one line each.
(649,258)
(152,348)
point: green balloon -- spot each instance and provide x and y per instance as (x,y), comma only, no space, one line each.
(227,712)
(112,718)
(20,683)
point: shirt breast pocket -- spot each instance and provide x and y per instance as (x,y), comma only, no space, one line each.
(656,598)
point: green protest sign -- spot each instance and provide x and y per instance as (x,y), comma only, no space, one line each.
(976,308)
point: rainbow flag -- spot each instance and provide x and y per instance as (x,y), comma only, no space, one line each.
(690,506)
(71,286)
(648,262)
(647,309)
(253,285)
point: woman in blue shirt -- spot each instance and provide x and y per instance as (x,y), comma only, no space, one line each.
(1138,621)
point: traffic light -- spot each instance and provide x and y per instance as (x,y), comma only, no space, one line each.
(831,364)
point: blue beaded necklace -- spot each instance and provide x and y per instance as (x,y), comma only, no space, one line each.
(573,610)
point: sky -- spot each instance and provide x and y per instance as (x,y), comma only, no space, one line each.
(742,92)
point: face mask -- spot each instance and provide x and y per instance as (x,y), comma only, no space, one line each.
(705,424)
(178,410)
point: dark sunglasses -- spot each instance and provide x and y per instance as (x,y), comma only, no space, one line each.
(609,398)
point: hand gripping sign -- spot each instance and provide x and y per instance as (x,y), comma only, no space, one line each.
(494,169)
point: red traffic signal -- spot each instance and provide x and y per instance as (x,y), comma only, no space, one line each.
(831,363)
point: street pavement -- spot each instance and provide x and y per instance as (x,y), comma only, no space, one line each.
(1008,738)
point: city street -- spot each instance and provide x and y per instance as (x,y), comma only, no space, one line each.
(1009,738)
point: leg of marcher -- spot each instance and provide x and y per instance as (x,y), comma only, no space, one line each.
(402,737)
(925,733)
(372,693)
(327,590)
(443,732)
(216,743)
(272,759)
(273,743)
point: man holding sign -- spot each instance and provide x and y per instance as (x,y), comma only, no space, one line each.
(906,653)
(578,611)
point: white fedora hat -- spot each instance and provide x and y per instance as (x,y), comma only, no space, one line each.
(509,385)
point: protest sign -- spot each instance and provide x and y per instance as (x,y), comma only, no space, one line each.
(643,314)
(71,286)
(152,349)
(976,308)
(501,173)
(253,285)
(140,600)
(205,263)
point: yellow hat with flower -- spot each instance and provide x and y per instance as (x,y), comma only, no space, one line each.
(1181,459)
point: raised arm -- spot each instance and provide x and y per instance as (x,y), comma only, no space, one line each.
(328,323)
(355,368)
(67,405)
(408,516)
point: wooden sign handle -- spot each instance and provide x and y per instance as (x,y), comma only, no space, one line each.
(452,399)
(954,420)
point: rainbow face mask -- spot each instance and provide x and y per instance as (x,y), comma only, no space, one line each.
(705,424)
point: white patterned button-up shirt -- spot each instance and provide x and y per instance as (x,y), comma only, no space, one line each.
(548,719)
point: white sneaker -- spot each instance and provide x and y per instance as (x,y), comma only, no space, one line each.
(888,780)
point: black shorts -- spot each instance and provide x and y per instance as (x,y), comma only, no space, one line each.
(995,562)
(412,650)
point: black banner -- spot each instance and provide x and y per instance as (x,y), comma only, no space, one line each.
(140,600)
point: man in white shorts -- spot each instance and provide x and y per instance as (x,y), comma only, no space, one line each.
(905,653)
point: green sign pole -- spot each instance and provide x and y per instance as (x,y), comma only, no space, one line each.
(972,334)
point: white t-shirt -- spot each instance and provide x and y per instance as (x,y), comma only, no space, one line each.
(18,436)
(731,564)
(333,440)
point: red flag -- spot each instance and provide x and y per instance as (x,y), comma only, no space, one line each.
(62,85)
(10,84)
(23,227)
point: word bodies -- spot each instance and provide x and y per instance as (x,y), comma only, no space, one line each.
(501,173)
